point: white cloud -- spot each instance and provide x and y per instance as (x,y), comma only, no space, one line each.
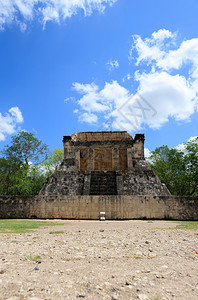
(181,147)
(112,64)
(22,11)
(158,52)
(126,77)
(88,118)
(16,113)
(147,153)
(161,95)
(104,103)
(9,122)
(161,35)
(152,49)
(91,101)
(104,100)
(69,99)
(170,96)
(167,86)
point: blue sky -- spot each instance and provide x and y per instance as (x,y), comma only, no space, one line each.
(69,66)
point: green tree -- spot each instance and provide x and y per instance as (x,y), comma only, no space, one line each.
(18,174)
(177,169)
(54,159)
(8,169)
(26,148)
(191,160)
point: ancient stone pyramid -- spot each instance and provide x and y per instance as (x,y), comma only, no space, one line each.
(104,163)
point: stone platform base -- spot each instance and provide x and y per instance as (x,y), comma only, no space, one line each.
(90,207)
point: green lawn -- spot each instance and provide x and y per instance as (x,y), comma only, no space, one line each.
(187,225)
(23,226)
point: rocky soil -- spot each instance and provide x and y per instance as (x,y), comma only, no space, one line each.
(100,260)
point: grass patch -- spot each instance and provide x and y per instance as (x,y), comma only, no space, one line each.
(72,258)
(23,226)
(137,256)
(187,225)
(55,232)
(33,258)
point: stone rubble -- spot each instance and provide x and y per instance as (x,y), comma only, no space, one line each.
(100,260)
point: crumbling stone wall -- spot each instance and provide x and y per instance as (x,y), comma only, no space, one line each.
(67,183)
(118,153)
(102,171)
(17,207)
(141,181)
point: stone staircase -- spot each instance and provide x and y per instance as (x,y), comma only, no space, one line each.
(103,183)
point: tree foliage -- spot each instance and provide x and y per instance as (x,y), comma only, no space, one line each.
(27,164)
(54,159)
(177,169)
(26,148)
(17,179)
(18,174)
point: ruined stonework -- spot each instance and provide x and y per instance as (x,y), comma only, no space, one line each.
(89,207)
(104,163)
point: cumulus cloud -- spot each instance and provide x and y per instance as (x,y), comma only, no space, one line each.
(109,104)
(160,96)
(147,153)
(165,89)
(161,52)
(153,48)
(22,11)
(88,118)
(112,64)
(170,96)
(181,147)
(9,122)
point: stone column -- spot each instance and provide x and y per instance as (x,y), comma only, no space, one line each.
(77,159)
(129,159)
(115,158)
(91,160)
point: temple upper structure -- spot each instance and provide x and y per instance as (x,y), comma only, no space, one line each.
(102,151)
(104,163)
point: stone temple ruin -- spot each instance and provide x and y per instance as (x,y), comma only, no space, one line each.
(104,163)
(103,175)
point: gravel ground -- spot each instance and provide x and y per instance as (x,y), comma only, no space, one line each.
(100,260)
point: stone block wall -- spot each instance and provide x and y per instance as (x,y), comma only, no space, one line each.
(111,150)
(17,206)
(64,183)
(101,136)
(139,181)
(89,207)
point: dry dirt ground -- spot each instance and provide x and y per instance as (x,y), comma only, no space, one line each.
(100,260)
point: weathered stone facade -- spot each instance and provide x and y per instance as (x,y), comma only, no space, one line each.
(89,207)
(102,172)
(104,163)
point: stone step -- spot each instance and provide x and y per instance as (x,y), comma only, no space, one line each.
(103,183)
